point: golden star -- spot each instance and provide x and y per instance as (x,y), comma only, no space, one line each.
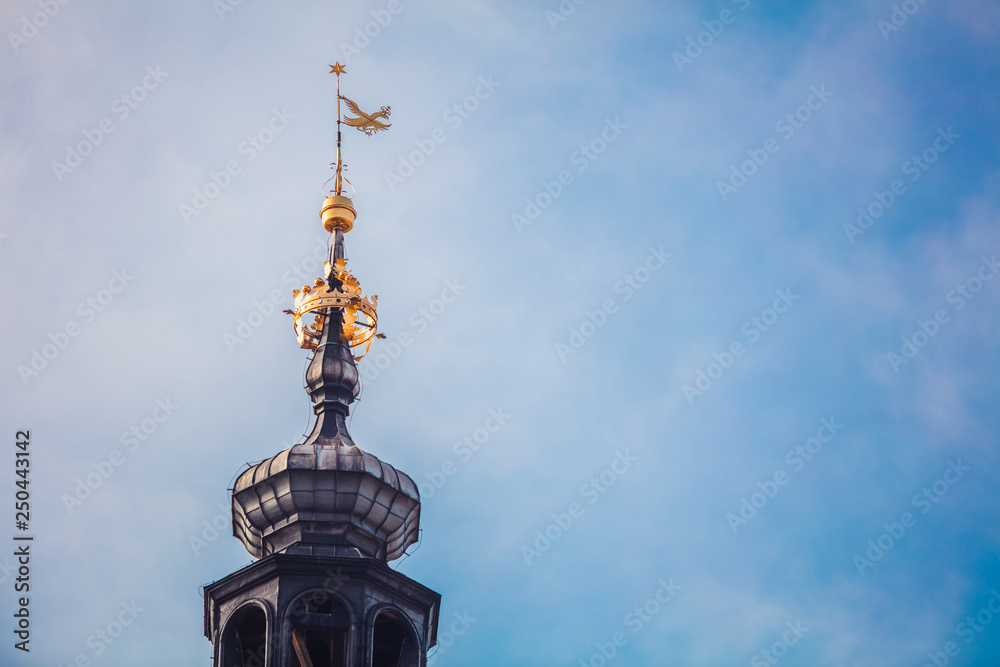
(337,69)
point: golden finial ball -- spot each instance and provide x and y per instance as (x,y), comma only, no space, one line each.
(338,213)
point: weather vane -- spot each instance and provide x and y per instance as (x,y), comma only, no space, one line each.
(338,293)
(367,123)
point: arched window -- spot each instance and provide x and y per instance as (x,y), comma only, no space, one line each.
(319,631)
(393,643)
(244,643)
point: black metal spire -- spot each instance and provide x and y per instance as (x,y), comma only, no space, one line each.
(332,378)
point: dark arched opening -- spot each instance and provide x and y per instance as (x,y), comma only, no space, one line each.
(244,643)
(393,643)
(319,632)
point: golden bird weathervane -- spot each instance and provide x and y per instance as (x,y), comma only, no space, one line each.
(339,289)
(367,123)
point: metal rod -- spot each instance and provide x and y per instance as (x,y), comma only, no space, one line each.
(339,183)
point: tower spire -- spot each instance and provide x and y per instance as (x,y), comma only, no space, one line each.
(324,506)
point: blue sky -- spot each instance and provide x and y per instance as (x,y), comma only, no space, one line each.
(697,213)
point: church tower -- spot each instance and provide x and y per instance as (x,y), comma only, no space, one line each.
(324,517)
